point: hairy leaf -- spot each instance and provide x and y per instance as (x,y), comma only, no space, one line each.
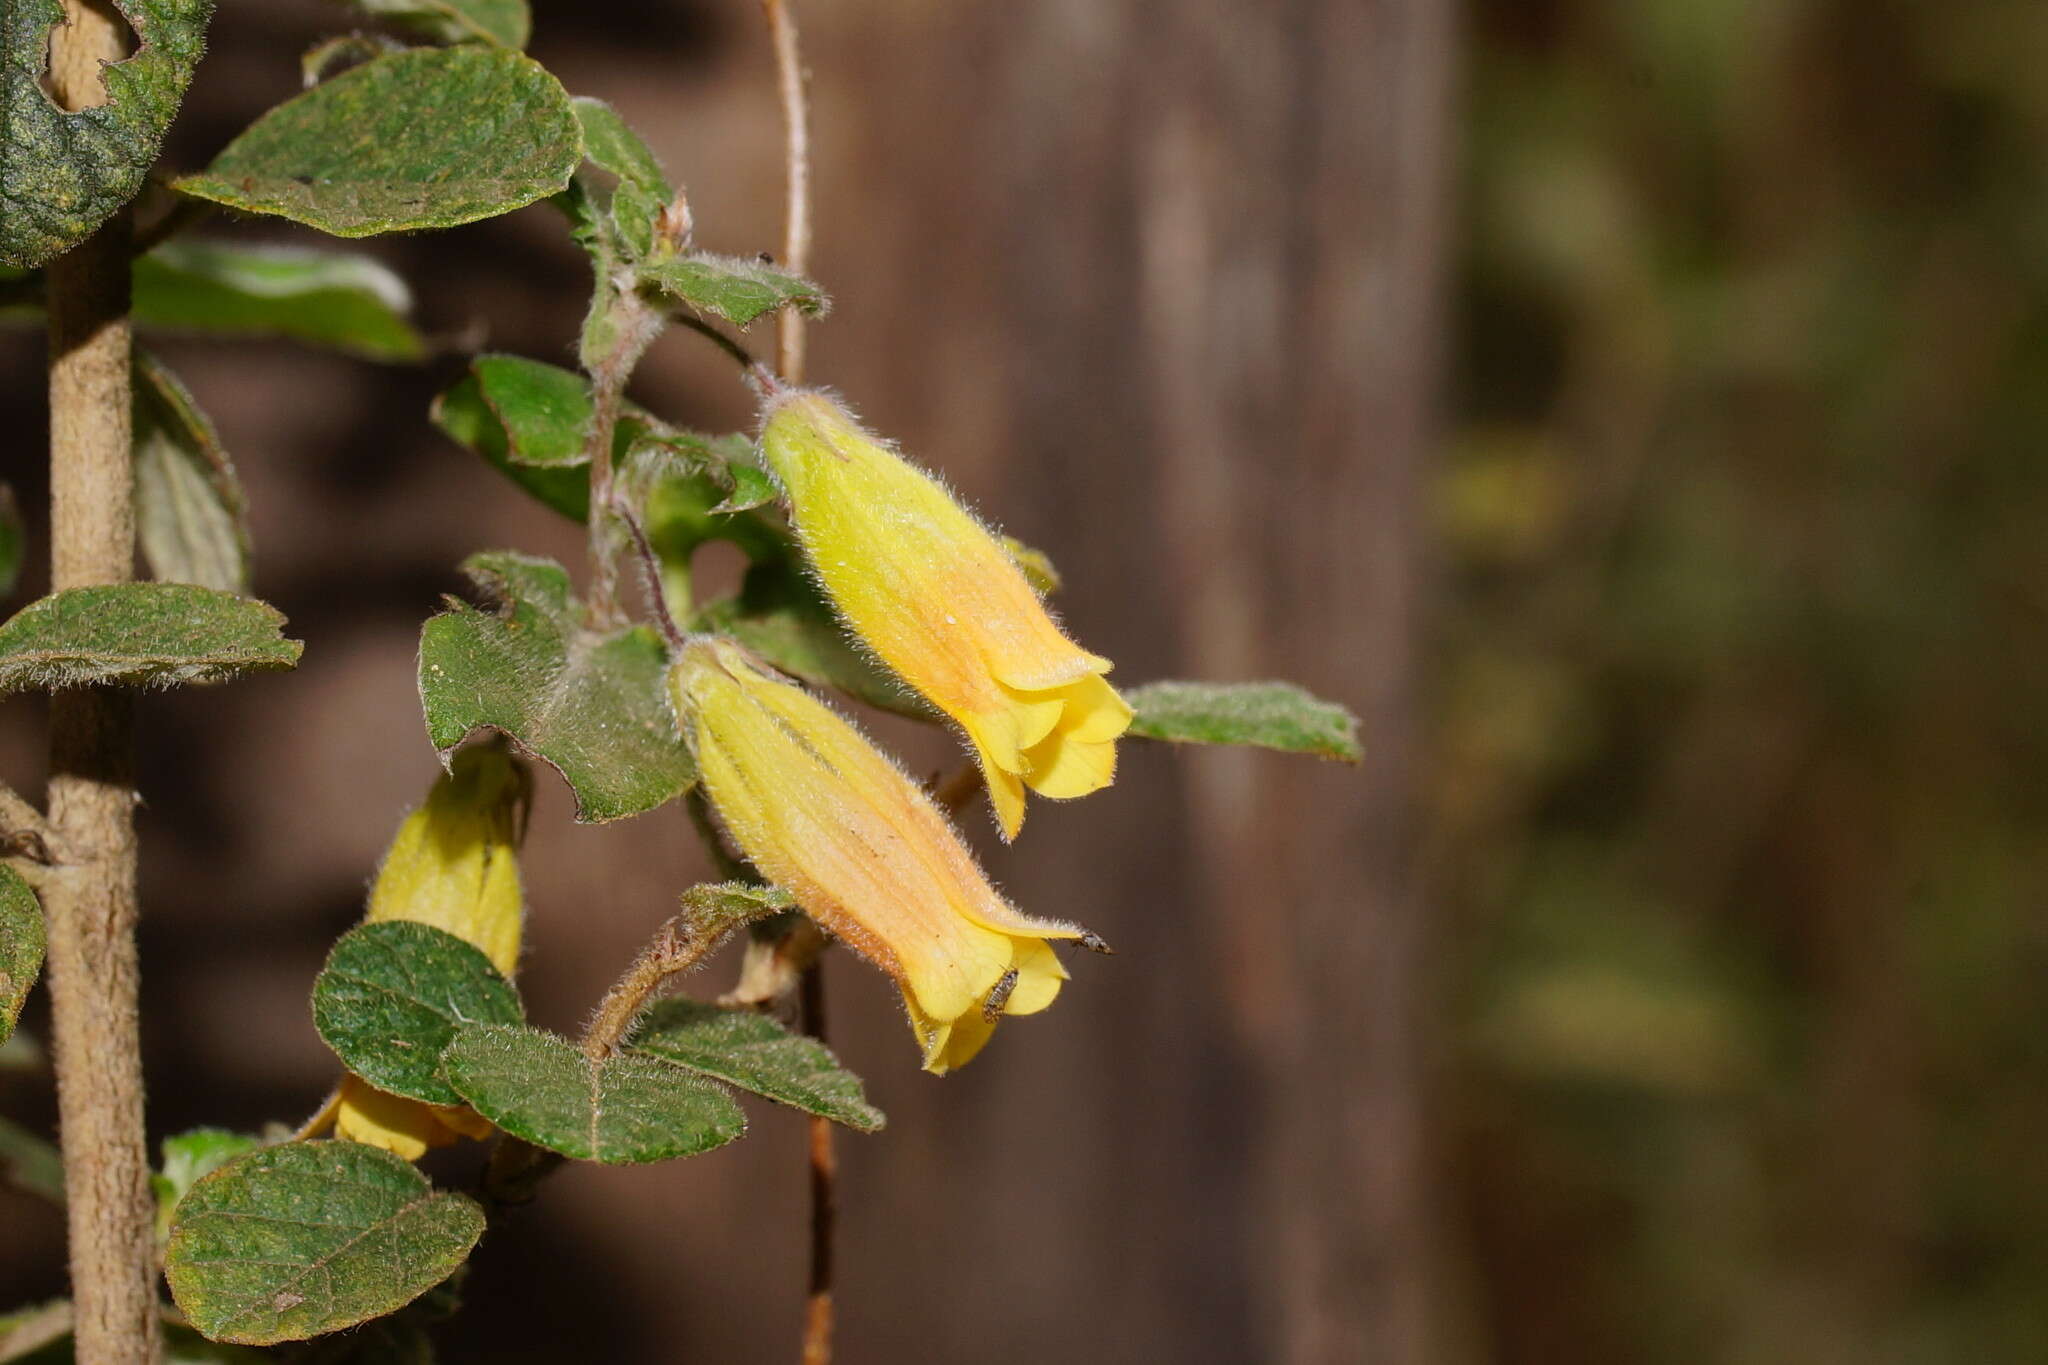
(295,1240)
(750,1050)
(142,634)
(729,287)
(393,995)
(325,298)
(780,615)
(622,1110)
(545,410)
(608,141)
(1269,715)
(189,512)
(504,22)
(420,139)
(63,174)
(21,946)
(590,704)
(463,413)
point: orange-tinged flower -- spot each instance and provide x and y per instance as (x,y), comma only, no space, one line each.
(864,851)
(940,601)
(453,865)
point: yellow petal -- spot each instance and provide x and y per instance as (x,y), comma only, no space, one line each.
(861,847)
(398,1125)
(453,862)
(938,597)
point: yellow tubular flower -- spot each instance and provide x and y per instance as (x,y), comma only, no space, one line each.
(820,812)
(941,602)
(453,865)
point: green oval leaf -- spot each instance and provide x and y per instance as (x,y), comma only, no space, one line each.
(142,634)
(729,287)
(309,1237)
(421,139)
(21,946)
(612,144)
(1268,715)
(545,410)
(189,512)
(395,993)
(325,298)
(622,1110)
(591,705)
(750,1050)
(63,174)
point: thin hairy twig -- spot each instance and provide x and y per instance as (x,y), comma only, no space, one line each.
(680,944)
(724,343)
(789,361)
(89,900)
(650,570)
(796,129)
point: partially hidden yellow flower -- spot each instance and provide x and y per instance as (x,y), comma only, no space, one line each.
(940,601)
(454,865)
(864,851)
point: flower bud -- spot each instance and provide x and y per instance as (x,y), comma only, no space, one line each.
(937,597)
(453,865)
(863,850)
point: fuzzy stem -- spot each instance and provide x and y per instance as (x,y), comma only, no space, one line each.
(89,899)
(679,945)
(789,361)
(796,128)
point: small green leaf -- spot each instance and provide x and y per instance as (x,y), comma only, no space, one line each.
(729,902)
(608,141)
(63,174)
(29,1163)
(426,138)
(21,946)
(780,615)
(141,634)
(592,705)
(187,1157)
(728,287)
(463,414)
(752,1051)
(393,995)
(189,512)
(13,540)
(545,410)
(295,1240)
(622,1110)
(504,22)
(1269,715)
(325,298)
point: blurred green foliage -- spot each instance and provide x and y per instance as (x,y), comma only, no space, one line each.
(1742,796)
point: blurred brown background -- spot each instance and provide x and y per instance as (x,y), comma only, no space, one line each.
(1635,409)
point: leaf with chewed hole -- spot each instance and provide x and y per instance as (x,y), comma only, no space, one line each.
(62,174)
(621,1110)
(750,1050)
(141,634)
(304,1238)
(394,994)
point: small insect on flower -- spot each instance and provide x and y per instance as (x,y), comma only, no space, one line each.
(864,851)
(453,865)
(940,601)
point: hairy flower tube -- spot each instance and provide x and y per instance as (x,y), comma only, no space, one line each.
(453,865)
(863,850)
(940,601)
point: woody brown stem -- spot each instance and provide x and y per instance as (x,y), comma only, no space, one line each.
(89,898)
